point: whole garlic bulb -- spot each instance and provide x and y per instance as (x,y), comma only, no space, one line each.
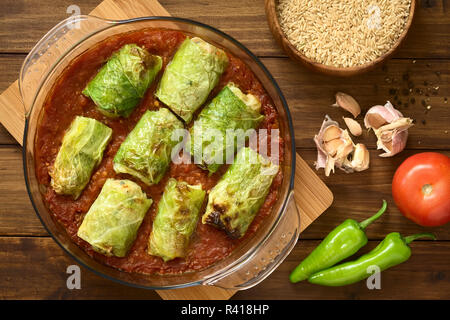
(335,147)
(390,127)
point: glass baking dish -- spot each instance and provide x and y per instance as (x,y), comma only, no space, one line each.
(254,259)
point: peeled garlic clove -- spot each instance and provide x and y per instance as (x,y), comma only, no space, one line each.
(344,149)
(331,147)
(380,115)
(331,132)
(361,158)
(353,126)
(374,120)
(348,103)
(332,153)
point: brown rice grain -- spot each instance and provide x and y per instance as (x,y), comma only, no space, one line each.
(343,33)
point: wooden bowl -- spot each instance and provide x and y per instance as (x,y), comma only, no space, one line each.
(291,51)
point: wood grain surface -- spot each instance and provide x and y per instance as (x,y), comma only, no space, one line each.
(422,62)
(424,275)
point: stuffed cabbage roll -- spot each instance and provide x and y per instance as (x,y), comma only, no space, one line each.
(146,152)
(122,81)
(112,222)
(235,200)
(229,110)
(177,216)
(191,75)
(81,151)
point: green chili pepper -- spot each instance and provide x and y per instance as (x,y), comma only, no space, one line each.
(344,241)
(392,251)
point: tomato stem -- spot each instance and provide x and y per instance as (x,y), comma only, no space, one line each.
(427,189)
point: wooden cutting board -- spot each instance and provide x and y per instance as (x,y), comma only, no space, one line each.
(311,194)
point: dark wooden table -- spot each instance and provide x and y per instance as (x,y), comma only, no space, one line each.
(32,266)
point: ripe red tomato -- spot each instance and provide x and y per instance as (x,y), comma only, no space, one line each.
(421,188)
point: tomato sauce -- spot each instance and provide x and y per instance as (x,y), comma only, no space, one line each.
(65,101)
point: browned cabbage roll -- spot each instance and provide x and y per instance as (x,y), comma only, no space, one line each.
(235,200)
(177,216)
